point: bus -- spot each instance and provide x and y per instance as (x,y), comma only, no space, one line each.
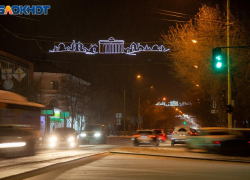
(19,125)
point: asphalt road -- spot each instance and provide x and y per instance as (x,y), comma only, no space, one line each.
(121,167)
(83,163)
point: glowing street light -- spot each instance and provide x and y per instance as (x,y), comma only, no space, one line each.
(164,99)
(196,66)
(194,41)
(138,76)
(197,85)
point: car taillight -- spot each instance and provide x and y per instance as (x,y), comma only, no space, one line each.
(196,134)
(191,133)
(136,135)
(152,136)
(248,142)
(216,142)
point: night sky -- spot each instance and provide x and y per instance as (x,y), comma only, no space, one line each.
(31,37)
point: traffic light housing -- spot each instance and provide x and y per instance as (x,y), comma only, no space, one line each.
(229,109)
(218,60)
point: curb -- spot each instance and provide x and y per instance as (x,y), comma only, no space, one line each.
(157,155)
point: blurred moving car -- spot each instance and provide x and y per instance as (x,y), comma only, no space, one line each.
(93,133)
(210,138)
(160,134)
(63,137)
(239,145)
(145,137)
(17,141)
(179,134)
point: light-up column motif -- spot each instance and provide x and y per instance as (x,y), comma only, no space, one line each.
(111,46)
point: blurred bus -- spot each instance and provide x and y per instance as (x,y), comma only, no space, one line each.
(19,125)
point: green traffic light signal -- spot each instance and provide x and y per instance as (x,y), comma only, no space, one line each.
(218,62)
(184,122)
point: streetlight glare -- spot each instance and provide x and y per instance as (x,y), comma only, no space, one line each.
(195,66)
(194,41)
(164,99)
(152,87)
(138,76)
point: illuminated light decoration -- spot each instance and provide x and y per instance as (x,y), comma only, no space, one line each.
(173,104)
(110,46)
(134,48)
(75,47)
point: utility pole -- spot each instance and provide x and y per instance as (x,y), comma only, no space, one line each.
(124,111)
(229,94)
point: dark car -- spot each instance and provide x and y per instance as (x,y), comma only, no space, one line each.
(93,133)
(17,141)
(162,137)
(145,137)
(63,137)
(239,145)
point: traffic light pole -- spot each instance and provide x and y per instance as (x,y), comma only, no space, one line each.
(229,100)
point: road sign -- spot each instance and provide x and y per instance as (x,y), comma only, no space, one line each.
(214,111)
(19,74)
(214,104)
(118,117)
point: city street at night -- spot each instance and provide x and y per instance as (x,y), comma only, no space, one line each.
(124,89)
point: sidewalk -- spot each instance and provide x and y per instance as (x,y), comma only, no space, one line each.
(178,153)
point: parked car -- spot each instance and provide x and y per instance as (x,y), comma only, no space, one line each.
(210,138)
(179,134)
(17,141)
(145,137)
(162,137)
(63,137)
(93,133)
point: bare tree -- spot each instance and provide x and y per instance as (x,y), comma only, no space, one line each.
(191,62)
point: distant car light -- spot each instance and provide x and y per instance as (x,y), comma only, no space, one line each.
(53,139)
(71,138)
(13,144)
(83,135)
(97,134)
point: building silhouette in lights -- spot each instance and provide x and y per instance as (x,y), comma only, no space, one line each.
(111,46)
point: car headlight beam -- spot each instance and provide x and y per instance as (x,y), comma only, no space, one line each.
(97,134)
(70,139)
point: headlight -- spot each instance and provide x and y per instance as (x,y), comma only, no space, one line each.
(70,139)
(97,134)
(53,139)
(83,135)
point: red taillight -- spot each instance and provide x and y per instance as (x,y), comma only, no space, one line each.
(152,136)
(136,135)
(196,134)
(191,133)
(248,142)
(216,142)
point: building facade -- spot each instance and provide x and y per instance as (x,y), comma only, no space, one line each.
(52,98)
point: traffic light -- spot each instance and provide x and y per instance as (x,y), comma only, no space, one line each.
(229,109)
(218,61)
(184,122)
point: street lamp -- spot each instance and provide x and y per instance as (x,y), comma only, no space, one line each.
(139,104)
(138,76)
